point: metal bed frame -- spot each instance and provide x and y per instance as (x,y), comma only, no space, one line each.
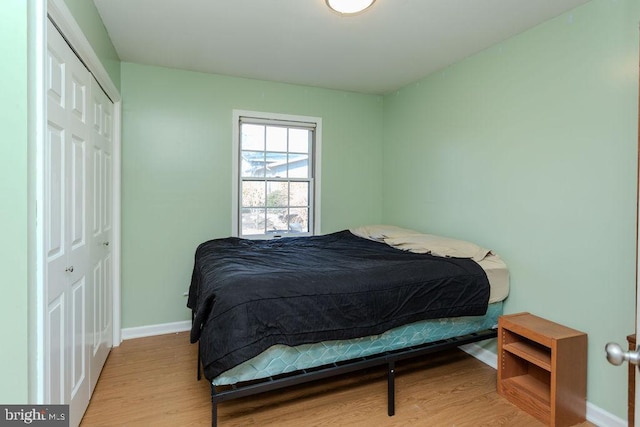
(388,358)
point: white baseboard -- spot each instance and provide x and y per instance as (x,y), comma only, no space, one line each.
(595,414)
(600,417)
(153,330)
(481,354)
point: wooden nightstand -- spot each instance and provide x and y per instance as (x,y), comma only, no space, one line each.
(542,368)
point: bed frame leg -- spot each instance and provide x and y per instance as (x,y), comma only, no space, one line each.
(214,406)
(199,372)
(199,369)
(391,389)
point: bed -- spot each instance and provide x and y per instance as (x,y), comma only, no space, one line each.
(270,314)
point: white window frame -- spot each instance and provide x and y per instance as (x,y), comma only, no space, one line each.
(314,202)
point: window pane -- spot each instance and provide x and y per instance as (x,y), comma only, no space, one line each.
(277,220)
(252,137)
(276,164)
(253,193)
(277,194)
(298,166)
(298,220)
(253,221)
(276,138)
(252,164)
(299,140)
(299,194)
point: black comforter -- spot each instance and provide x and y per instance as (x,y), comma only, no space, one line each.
(247,295)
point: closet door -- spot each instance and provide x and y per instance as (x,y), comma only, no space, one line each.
(66,243)
(101,154)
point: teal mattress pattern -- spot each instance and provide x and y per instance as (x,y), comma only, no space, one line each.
(280,359)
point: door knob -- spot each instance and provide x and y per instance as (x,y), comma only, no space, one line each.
(105,243)
(69,269)
(617,356)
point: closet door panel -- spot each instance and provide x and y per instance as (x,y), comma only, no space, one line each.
(97,290)
(79,97)
(66,212)
(106,302)
(101,255)
(56,356)
(79,132)
(55,212)
(107,204)
(55,233)
(55,79)
(78,194)
(78,363)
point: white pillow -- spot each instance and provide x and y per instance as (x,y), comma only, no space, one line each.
(381,232)
(437,245)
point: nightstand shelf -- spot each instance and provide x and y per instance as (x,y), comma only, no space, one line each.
(542,368)
(539,356)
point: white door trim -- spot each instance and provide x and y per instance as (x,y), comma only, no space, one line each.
(59,13)
(37,128)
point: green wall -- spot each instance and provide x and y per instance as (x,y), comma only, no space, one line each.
(530,148)
(13,205)
(176,172)
(86,15)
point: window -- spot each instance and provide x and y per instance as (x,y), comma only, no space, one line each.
(275,174)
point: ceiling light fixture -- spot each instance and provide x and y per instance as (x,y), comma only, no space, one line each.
(349,7)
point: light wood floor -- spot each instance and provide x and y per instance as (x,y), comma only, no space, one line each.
(151,382)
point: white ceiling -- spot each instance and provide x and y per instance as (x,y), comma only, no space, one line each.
(394,43)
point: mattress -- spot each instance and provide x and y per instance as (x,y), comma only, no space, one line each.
(279,359)
(498,276)
(417,242)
